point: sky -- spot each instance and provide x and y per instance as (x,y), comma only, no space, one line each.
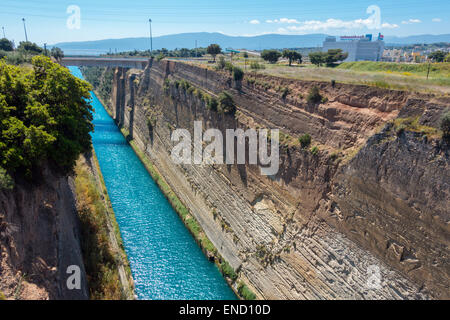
(53,21)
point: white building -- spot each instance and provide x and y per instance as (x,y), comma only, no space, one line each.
(359,48)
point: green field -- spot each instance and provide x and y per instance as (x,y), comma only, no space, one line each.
(437,70)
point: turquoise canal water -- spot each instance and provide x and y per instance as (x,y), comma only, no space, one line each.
(166,262)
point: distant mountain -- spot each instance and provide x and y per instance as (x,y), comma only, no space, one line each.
(188,40)
(422,39)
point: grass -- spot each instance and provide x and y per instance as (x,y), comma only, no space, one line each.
(228,271)
(245,292)
(406,69)
(387,75)
(413,125)
(100,259)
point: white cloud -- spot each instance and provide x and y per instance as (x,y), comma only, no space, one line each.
(436,19)
(254,22)
(411,21)
(284,20)
(389,25)
(316,25)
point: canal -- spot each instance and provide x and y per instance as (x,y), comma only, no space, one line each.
(165,260)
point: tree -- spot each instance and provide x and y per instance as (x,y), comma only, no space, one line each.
(57,53)
(6,45)
(30,47)
(447,58)
(334,55)
(437,56)
(271,56)
(317,58)
(45,116)
(292,56)
(214,50)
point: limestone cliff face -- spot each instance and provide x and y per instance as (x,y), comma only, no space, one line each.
(369,199)
(39,239)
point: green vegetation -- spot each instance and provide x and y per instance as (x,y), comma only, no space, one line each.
(405,69)
(412,124)
(227,270)
(30,47)
(212,103)
(100,259)
(292,56)
(314,150)
(285,91)
(177,53)
(271,56)
(245,292)
(6,45)
(445,126)
(6,182)
(314,95)
(330,58)
(221,63)
(45,115)
(229,67)
(437,56)
(226,103)
(335,55)
(214,50)
(254,65)
(317,58)
(305,140)
(57,53)
(238,74)
(23,54)
(101,80)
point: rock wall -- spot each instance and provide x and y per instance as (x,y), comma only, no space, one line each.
(39,239)
(369,201)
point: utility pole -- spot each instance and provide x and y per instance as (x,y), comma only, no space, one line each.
(196,51)
(45,48)
(25,28)
(3,28)
(151,37)
(429,66)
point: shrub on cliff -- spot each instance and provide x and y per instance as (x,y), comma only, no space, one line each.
(305,140)
(221,63)
(445,126)
(226,103)
(238,74)
(314,95)
(228,271)
(245,292)
(212,103)
(45,116)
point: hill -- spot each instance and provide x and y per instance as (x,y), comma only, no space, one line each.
(188,40)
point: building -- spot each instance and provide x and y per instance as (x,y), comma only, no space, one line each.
(359,48)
